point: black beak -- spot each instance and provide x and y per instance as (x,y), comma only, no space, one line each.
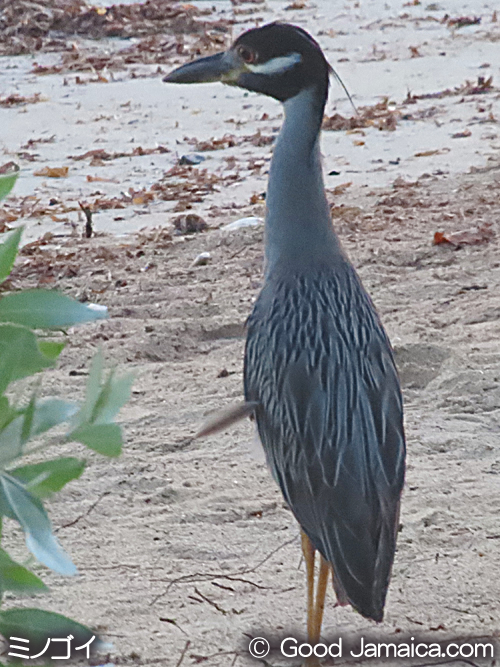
(219,67)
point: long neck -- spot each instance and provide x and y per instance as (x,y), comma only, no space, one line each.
(299,229)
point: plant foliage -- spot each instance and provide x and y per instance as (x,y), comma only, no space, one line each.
(26,319)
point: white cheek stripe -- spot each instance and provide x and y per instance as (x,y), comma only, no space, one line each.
(276,65)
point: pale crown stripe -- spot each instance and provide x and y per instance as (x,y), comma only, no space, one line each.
(276,65)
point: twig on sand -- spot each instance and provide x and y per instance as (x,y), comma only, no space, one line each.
(186,646)
(88,216)
(85,514)
(201,576)
(207,599)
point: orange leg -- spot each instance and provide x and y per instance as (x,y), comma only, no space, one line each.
(324,571)
(309,557)
(315,604)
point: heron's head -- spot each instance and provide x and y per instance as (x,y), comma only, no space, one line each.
(278,59)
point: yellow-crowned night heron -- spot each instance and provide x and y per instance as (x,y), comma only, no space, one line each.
(319,369)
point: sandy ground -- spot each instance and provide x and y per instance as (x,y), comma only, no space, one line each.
(185,548)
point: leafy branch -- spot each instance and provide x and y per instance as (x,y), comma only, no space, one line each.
(24,429)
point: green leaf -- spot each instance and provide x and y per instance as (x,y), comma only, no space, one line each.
(11,443)
(51,348)
(102,401)
(19,504)
(8,251)
(103,438)
(37,418)
(114,394)
(29,411)
(8,178)
(93,391)
(45,478)
(38,625)
(50,412)
(47,309)
(15,577)
(19,354)
(5,411)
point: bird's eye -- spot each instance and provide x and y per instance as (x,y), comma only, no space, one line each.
(246,54)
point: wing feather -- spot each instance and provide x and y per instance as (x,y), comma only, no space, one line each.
(329,416)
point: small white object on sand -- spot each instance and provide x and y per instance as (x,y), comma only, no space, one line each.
(202,259)
(242,223)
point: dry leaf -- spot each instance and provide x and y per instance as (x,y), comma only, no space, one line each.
(40,140)
(379,115)
(257,198)
(101,154)
(461,21)
(52,172)
(348,213)
(19,100)
(9,168)
(6,217)
(140,196)
(461,135)
(427,153)
(482,86)
(100,179)
(341,188)
(474,236)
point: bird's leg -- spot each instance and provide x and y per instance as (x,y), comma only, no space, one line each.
(315,604)
(324,571)
(309,556)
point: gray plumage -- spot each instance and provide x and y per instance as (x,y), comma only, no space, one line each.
(329,417)
(319,369)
